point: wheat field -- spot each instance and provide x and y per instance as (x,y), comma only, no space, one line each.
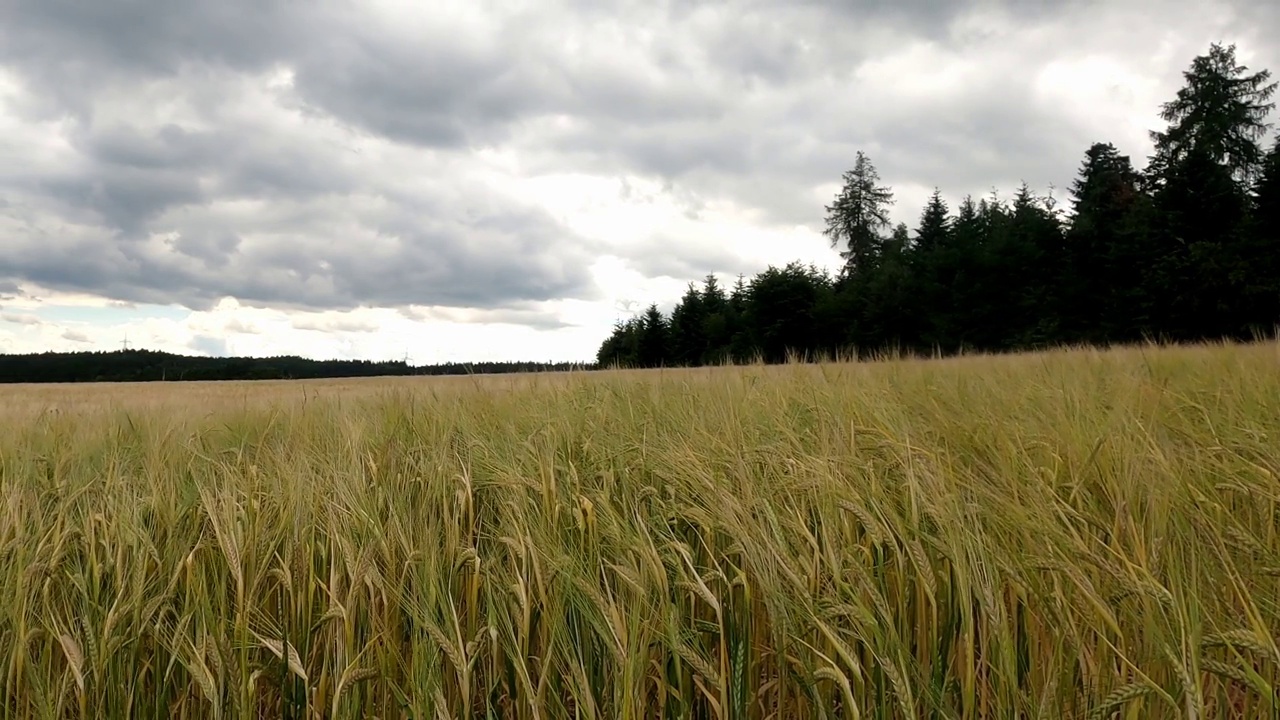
(1069,534)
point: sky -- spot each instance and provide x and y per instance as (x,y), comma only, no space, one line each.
(504,180)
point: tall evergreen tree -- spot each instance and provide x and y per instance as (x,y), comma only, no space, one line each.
(935,224)
(964,313)
(889,307)
(781,311)
(989,292)
(1220,113)
(688,329)
(1263,251)
(1200,169)
(717,323)
(654,343)
(1106,252)
(1266,193)
(899,242)
(713,297)
(741,347)
(858,214)
(933,271)
(1033,261)
(622,347)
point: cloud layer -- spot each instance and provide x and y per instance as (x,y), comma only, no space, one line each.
(492,159)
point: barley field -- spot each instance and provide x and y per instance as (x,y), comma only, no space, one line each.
(1080,534)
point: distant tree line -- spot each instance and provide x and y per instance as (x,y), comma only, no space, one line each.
(148,365)
(1188,249)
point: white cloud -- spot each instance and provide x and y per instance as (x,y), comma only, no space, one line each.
(21,319)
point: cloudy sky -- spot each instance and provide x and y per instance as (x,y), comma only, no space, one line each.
(490,180)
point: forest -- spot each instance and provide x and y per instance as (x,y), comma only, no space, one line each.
(148,365)
(1186,249)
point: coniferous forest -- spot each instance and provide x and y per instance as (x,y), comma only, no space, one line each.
(1186,249)
(149,365)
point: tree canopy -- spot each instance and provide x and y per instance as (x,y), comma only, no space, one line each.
(1187,249)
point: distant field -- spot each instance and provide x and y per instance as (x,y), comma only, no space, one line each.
(1072,534)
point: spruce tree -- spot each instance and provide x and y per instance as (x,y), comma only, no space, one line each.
(935,224)
(717,322)
(933,271)
(1263,252)
(688,339)
(1200,171)
(1219,113)
(962,314)
(1107,256)
(1032,262)
(654,342)
(858,214)
(889,317)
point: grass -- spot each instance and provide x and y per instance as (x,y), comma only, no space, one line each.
(1070,534)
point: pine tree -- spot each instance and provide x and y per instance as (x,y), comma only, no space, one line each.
(1220,113)
(935,224)
(899,242)
(654,339)
(717,323)
(1033,264)
(622,347)
(741,348)
(1200,171)
(1263,251)
(933,273)
(889,317)
(857,216)
(713,298)
(1266,201)
(1106,252)
(781,311)
(963,313)
(688,329)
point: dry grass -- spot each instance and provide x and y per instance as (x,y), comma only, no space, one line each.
(1073,534)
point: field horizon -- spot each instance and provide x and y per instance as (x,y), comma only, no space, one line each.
(1067,533)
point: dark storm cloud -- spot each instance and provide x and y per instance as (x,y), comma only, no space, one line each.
(131,174)
(494,261)
(445,92)
(163,148)
(438,86)
(83,41)
(214,248)
(125,199)
(166,213)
